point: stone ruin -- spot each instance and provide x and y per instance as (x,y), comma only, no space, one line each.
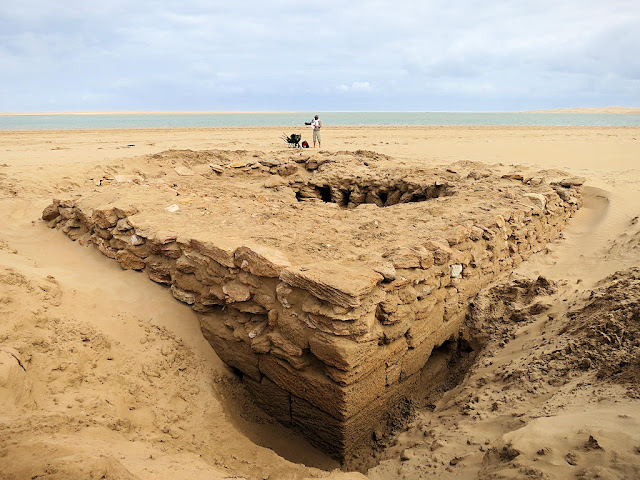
(327,339)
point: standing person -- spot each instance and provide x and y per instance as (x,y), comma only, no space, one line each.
(316,125)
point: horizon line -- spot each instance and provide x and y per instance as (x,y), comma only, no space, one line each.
(251,112)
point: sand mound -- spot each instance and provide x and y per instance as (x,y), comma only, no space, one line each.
(605,334)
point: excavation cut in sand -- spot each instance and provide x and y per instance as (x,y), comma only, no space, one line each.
(335,284)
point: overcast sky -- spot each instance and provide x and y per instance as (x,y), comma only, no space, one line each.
(286,55)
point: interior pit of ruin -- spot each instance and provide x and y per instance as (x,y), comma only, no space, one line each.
(350,192)
(330,281)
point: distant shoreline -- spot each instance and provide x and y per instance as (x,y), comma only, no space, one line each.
(594,110)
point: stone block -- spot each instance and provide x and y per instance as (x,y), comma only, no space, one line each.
(171,249)
(378,360)
(394,331)
(249,279)
(338,284)
(77,233)
(125,210)
(261,261)
(220,250)
(402,313)
(386,269)
(250,307)
(67,213)
(404,257)
(425,306)
(267,300)
(197,258)
(271,398)
(236,292)
(324,431)
(416,357)
(351,328)
(123,224)
(187,281)
(314,305)
(233,352)
(128,260)
(340,352)
(117,244)
(103,233)
(441,251)
(313,385)
(293,328)
(185,297)
(50,212)
(456,235)
(393,373)
(159,269)
(106,250)
(105,217)
(297,362)
(423,328)
(283,343)
(185,264)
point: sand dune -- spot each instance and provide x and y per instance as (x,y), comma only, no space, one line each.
(104,375)
(612,110)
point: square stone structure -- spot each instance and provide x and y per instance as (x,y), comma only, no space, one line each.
(328,280)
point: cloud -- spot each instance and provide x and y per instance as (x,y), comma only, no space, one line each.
(355,87)
(287,55)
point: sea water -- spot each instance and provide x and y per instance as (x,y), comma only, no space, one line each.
(211,120)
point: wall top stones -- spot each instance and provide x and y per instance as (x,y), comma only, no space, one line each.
(244,207)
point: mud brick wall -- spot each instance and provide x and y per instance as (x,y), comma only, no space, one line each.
(326,347)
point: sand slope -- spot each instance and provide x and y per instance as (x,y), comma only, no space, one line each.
(104,375)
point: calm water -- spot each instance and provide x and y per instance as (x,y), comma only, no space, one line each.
(43,122)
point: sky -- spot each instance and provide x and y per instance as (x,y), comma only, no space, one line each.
(286,55)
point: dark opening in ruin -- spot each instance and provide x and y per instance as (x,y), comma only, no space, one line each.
(351,194)
(325,193)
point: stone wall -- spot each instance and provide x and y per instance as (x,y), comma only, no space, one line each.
(327,347)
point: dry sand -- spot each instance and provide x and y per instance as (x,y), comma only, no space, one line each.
(104,375)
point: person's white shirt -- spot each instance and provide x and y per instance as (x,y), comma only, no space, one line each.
(315,124)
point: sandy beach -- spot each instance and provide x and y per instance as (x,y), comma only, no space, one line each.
(103,374)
